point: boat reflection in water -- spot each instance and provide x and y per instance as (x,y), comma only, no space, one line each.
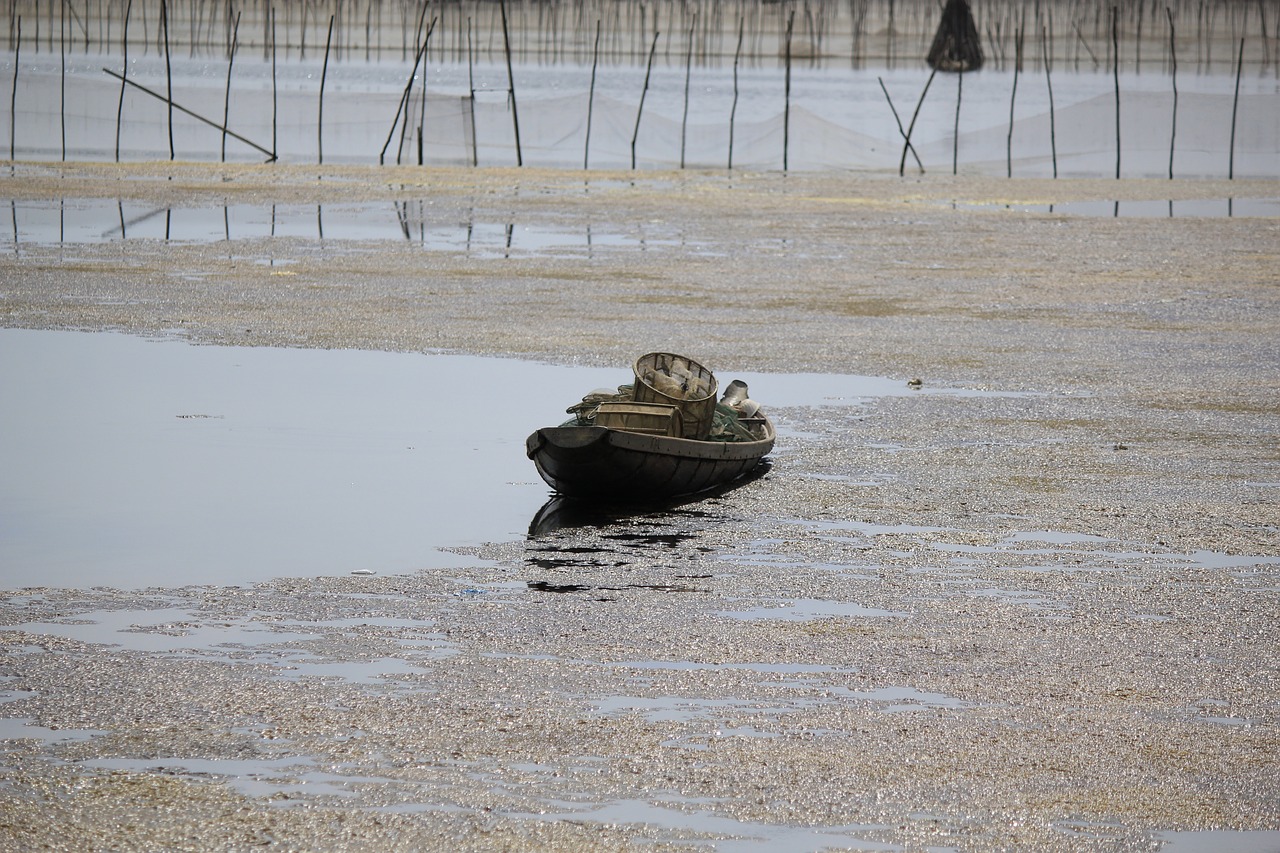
(565,513)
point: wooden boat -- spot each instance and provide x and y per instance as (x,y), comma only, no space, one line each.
(618,465)
(640,446)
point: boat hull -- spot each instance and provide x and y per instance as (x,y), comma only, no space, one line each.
(624,467)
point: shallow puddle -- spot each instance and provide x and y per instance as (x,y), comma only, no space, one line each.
(134,463)
(1198,208)
(73,221)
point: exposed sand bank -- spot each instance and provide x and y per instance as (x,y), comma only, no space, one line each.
(1072,591)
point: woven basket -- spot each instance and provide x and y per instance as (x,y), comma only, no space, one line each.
(686,384)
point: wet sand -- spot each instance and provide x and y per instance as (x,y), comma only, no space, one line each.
(1042,619)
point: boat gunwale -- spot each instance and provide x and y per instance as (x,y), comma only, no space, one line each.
(685,448)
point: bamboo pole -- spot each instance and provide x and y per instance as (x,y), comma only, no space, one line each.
(422,111)
(404,96)
(1173,76)
(324,72)
(786,105)
(955,133)
(173,106)
(124,49)
(1048,79)
(1013,96)
(62,49)
(511,81)
(591,96)
(640,110)
(688,74)
(168,72)
(471,82)
(733,111)
(1235,103)
(1115,67)
(274,90)
(226,107)
(901,132)
(13,99)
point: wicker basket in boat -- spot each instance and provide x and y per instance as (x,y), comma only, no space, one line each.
(664,377)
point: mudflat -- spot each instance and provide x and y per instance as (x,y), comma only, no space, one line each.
(1038,617)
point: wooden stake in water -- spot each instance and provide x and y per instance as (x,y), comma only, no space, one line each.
(786,104)
(733,111)
(640,110)
(511,82)
(172,106)
(1013,96)
(13,99)
(62,36)
(591,96)
(1053,137)
(911,127)
(688,73)
(955,133)
(274,97)
(168,72)
(408,87)
(226,107)
(1235,103)
(1115,68)
(471,100)
(324,71)
(901,131)
(124,48)
(1173,76)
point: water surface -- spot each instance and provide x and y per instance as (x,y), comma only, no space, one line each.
(133,463)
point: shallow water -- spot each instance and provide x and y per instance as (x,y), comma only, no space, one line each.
(73,221)
(84,220)
(133,463)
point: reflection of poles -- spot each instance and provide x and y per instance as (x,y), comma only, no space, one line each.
(511,82)
(226,106)
(1235,103)
(640,111)
(737,56)
(591,96)
(172,106)
(324,72)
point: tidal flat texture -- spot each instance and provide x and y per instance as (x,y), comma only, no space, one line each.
(1036,612)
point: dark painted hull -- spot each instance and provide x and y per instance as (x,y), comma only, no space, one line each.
(624,467)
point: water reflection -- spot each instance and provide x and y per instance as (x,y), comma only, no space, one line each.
(1196,208)
(560,513)
(87,220)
